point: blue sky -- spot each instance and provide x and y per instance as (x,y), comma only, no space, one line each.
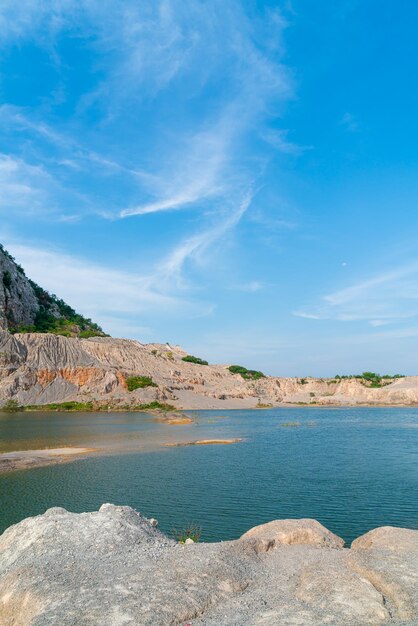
(236,177)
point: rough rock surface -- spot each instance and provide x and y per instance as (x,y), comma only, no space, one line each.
(45,368)
(388,558)
(24,305)
(114,567)
(18,302)
(291,532)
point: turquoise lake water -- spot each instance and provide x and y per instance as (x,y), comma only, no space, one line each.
(351,469)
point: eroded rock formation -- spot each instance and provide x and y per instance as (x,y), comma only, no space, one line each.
(114,567)
(41,368)
(45,368)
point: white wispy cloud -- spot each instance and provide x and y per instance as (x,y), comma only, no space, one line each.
(154,43)
(195,246)
(382,299)
(221,69)
(191,173)
(22,185)
(280,141)
(212,165)
(72,152)
(32,190)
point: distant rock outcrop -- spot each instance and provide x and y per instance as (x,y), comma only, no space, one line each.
(24,306)
(114,567)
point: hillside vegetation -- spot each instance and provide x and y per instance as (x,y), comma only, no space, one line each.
(371,379)
(245,373)
(25,307)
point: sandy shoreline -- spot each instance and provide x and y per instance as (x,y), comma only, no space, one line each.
(28,459)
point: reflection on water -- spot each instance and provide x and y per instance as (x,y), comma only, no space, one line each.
(352,469)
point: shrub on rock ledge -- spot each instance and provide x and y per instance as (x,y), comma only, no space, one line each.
(189,534)
(194,359)
(11,406)
(246,374)
(139,382)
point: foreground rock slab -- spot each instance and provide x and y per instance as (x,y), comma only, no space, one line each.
(114,567)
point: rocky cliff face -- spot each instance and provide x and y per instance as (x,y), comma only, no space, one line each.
(18,301)
(26,306)
(45,368)
(114,567)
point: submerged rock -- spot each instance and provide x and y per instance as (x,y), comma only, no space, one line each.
(114,567)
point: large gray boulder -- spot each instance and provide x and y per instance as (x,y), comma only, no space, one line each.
(292,532)
(114,567)
(388,558)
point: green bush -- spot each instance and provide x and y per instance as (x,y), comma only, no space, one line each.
(245,373)
(86,334)
(139,382)
(394,376)
(370,379)
(66,321)
(7,279)
(192,531)
(152,406)
(194,359)
(91,406)
(69,326)
(22,328)
(70,405)
(371,376)
(11,406)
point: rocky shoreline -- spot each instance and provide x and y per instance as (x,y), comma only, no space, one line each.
(115,567)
